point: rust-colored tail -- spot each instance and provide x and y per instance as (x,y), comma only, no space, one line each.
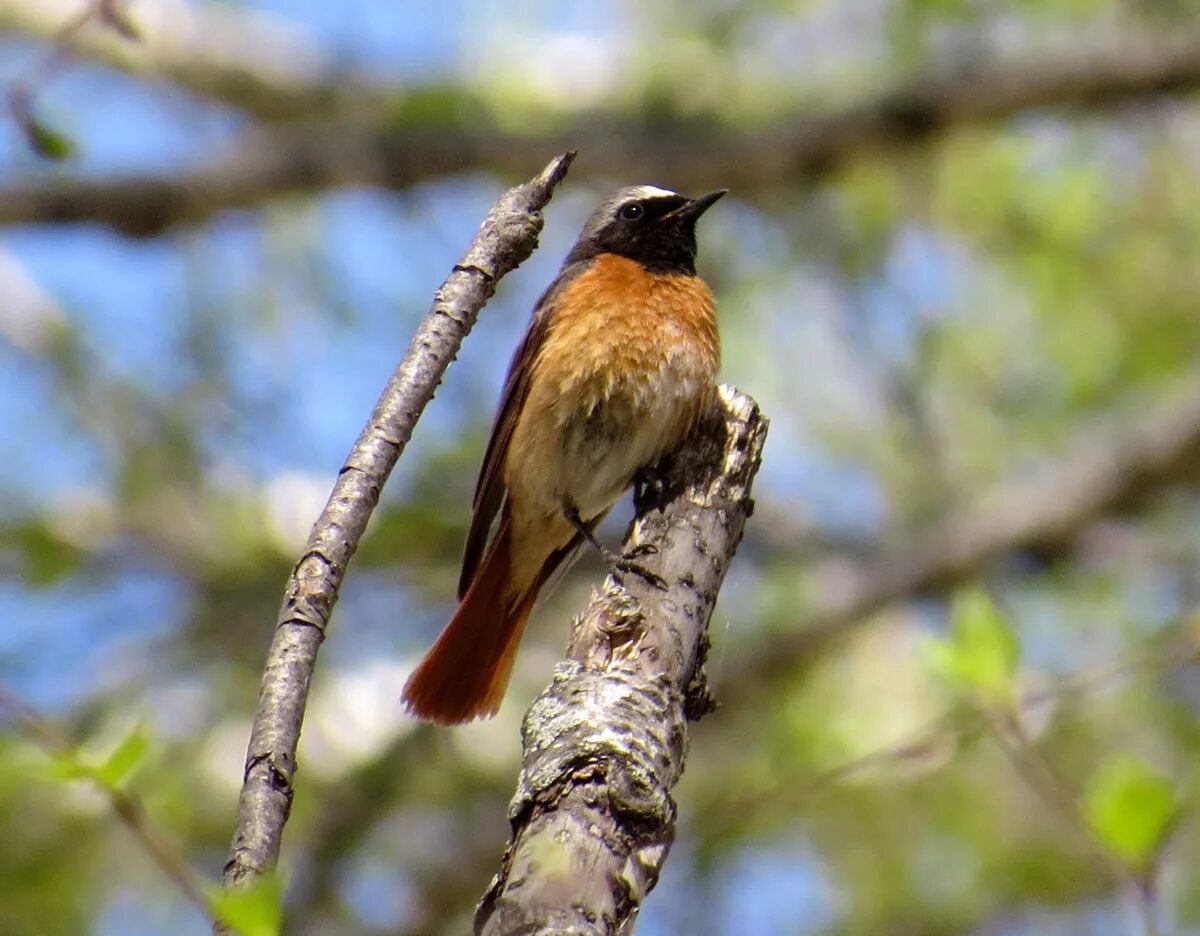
(465,672)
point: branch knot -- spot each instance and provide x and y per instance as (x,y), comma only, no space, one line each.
(628,726)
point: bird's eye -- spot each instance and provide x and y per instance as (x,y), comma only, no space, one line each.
(631,212)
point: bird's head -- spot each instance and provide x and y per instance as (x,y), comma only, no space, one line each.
(654,226)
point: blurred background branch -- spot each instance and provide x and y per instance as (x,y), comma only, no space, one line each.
(955,267)
(252,60)
(399,150)
(109,777)
(1113,468)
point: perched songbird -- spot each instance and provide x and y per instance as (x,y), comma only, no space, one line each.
(619,361)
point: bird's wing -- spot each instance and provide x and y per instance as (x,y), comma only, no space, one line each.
(490,489)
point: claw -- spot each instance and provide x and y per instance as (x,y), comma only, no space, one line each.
(650,480)
(618,564)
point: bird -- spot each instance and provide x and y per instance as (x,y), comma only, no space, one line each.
(618,363)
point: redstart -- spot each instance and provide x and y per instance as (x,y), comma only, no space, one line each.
(619,361)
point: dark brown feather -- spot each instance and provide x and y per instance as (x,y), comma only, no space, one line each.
(489,488)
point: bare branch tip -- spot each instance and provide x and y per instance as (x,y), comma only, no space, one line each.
(549,178)
(743,406)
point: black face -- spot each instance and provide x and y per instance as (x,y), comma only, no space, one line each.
(655,227)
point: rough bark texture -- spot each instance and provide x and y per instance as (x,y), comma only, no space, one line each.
(506,238)
(604,744)
(685,155)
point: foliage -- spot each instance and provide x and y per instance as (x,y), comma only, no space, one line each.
(930,328)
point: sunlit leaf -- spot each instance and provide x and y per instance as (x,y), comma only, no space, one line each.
(125,758)
(255,910)
(982,651)
(68,766)
(1130,809)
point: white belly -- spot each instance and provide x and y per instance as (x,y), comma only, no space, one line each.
(603,434)
(603,448)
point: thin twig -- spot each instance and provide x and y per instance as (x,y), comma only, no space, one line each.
(1112,466)
(506,238)
(1041,777)
(126,806)
(43,69)
(220,52)
(952,729)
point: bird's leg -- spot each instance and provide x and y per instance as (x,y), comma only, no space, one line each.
(617,563)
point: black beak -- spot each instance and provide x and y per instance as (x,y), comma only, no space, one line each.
(692,210)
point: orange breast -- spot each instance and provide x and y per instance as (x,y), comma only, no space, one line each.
(628,363)
(618,323)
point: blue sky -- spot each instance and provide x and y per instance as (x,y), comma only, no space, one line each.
(304,375)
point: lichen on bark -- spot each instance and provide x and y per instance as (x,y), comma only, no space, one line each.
(605,743)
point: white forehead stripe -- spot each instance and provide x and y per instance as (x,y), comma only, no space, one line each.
(650,191)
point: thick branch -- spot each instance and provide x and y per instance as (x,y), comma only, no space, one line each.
(506,237)
(688,156)
(593,816)
(246,58)
(1110,470)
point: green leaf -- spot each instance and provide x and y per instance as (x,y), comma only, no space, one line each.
(67,766)
(1130,809)
(46,141)
(113,771)
(254,910)
(125,758)
(45,557)
(982,652)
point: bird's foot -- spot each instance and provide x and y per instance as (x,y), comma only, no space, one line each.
(618,564)
(650,484)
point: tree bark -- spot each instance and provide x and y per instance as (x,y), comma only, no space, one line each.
(605,742)
(506,238)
